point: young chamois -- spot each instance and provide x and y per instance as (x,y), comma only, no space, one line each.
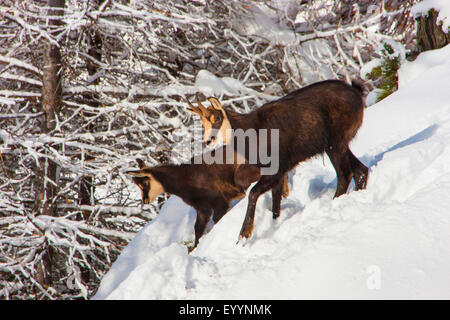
(208,188)
(322,117)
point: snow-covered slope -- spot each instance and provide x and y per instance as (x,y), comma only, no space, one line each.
(389,241)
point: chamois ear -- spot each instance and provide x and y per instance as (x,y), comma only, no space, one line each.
(215,103)
(246,174)
(136,173)
(202,108)
(140,163)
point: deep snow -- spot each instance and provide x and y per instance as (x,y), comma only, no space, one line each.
(390,241)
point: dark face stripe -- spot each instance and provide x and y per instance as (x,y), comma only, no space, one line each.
(144,184)
(218,119)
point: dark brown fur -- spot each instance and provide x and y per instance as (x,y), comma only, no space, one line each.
(208,188)
(322,117)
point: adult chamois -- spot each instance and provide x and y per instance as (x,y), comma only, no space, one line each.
(208,187)
(321,117)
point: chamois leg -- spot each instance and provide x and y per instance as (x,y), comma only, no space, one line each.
(360,171)
(285,185)
(341,163)
(219,212)
(200,225)
(264,184)
(277,192)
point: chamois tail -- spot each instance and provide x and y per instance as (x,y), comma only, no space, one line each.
(359,85)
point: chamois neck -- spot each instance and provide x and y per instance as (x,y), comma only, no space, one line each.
(241,120)
(171,177)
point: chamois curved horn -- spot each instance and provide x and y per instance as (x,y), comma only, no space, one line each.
(141,163)
(202,107)
(192,108)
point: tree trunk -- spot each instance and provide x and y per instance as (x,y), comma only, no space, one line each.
(429,33)
(51,104)
(46,174)
(87,186)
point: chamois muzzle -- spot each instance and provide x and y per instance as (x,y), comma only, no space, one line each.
(210,140)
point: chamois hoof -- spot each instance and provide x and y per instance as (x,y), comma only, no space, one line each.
(246,232)
(242,241)
(361,183)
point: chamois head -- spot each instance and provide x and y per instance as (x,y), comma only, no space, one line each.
(214,121)
(150,187)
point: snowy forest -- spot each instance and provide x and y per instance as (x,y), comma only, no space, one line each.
(86,87)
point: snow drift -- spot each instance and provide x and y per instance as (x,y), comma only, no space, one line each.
(390,241)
